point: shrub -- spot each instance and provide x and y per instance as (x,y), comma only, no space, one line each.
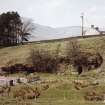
(82,60)
(43,61)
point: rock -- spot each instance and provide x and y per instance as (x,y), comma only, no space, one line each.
(34,79)
(23,80)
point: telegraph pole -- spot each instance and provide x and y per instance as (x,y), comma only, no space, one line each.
(82,17)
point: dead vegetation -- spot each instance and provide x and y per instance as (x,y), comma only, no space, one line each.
(43,61)
(5,90)
(79,84)
(94,96)
(45,87)
(82,60)
(26,92)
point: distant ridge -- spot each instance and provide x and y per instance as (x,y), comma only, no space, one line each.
(68,38)
(47,33)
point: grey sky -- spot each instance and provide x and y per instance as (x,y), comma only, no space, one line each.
(58,13)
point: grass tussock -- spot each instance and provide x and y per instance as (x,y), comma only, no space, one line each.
(26,92)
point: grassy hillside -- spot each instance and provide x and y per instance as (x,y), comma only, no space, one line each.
(62,90)
(20,53)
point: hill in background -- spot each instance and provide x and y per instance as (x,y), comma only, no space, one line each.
(45,32)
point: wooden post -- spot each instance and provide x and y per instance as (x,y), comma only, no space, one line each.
(82,17)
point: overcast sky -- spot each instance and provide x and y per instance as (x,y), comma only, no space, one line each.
(58,13)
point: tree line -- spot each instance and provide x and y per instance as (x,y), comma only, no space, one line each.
(14,29)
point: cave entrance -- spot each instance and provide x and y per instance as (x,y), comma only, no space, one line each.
(79,69)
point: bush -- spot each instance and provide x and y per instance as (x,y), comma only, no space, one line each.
(82,60)
(43,61)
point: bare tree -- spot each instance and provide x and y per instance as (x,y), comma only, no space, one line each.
(27,28)
(74,54)
(73,50)
(42,61)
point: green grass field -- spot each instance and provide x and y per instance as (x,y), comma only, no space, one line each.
(61,92)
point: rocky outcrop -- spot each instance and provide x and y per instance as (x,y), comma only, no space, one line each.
(87,61)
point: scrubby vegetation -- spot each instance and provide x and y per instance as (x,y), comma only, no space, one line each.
(43,60)
(56,66)
(26,92)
